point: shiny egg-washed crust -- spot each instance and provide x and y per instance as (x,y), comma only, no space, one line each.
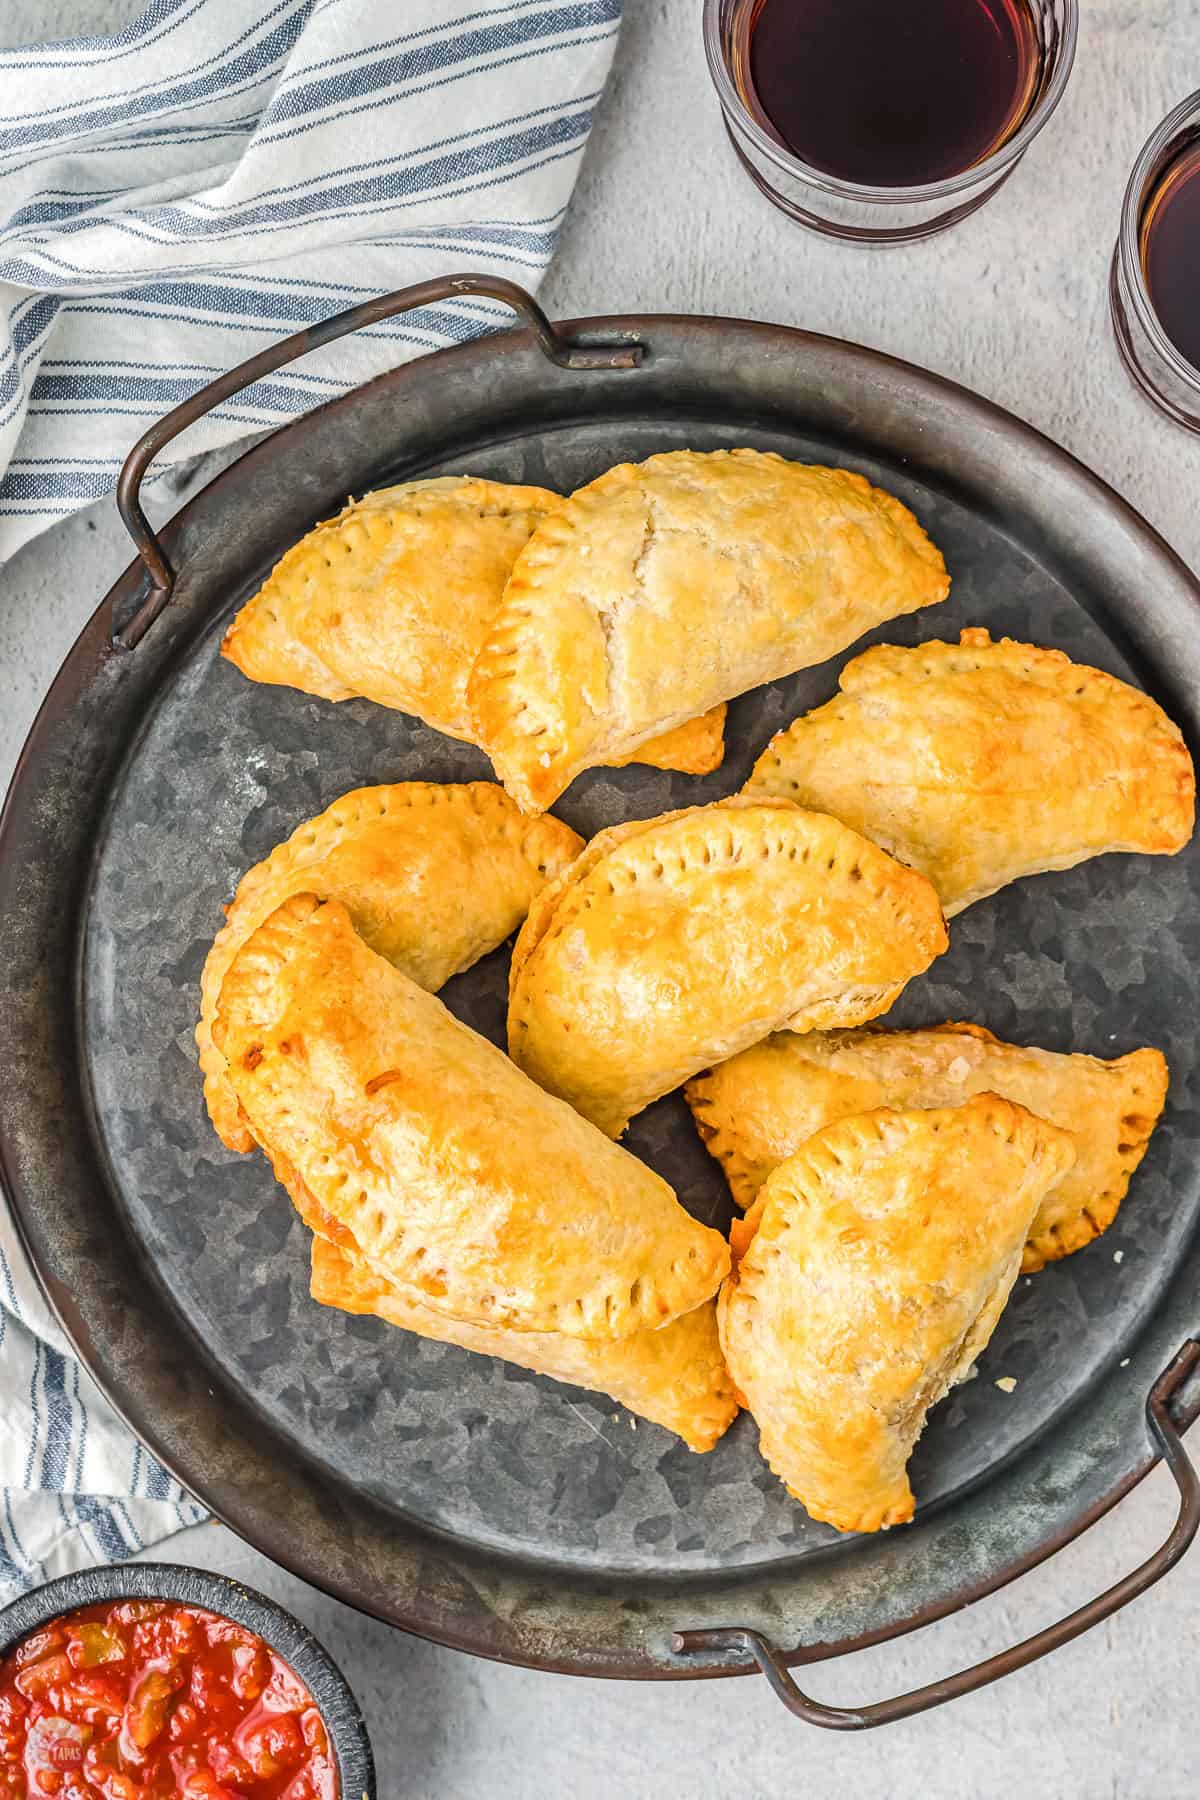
(758,1109)
(670,585)
(675,1377)
(391,601)
(879,1259)
(695,747)
(456,1176)
(435,876)
(671,943)
(979,763)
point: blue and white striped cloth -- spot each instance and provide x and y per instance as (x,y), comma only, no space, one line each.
(172,199)
(218,175)
(75,1486)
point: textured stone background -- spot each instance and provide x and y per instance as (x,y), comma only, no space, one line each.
(1013,304)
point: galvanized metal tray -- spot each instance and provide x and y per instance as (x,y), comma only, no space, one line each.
(460,1498)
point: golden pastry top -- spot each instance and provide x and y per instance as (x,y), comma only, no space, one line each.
(675,1376)
(435,875)
(756,1110)
(456,1176)
(981,762)
(672,942)
(391,601)
(874,1267)
(667,586)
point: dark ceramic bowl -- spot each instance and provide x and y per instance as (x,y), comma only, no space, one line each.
(197,1587)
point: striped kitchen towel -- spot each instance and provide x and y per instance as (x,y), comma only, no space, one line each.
(75,1486)
(172,199)
(219,175)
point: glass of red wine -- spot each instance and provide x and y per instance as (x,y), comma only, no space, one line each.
(881,121)
(1154,289)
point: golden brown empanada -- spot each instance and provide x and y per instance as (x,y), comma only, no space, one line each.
(978,763)
(758,1109)
(392,600)
(435,876)
(669,585)
(671,943)
(675,1376)
(882,1256)
(456,1176)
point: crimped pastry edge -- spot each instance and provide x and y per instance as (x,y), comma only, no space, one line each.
(975,651)
(696,746)
(700,1425)
(1145,1066)
(563,898)
(820,1153)
(537,781)
(320,835)
(649,1305)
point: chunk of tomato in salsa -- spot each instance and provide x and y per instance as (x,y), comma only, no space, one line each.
(147,1700)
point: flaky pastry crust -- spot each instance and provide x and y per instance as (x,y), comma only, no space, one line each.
(435,876)
(675,1377)
(881,1258)
(456,1177)
(391,601)
(670,943)
(978,763)
(756,1110)
(670,585)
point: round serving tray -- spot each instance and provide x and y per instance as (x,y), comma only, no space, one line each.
(460,1498)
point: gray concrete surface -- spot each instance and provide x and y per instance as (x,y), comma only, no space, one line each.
(1013,304)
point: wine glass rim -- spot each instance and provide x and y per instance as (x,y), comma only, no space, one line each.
(771,147)
(1148,166)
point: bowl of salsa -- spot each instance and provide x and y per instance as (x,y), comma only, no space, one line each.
(149,1681)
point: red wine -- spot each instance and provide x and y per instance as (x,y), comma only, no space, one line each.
(891,93)
(1170,243)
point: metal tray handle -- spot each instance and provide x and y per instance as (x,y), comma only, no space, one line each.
(427,293)
(161,579)
(841,1718)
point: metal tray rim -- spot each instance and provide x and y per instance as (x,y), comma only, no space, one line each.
(85,651)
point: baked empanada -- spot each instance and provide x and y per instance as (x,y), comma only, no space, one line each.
(978,763)
(758,1109)
(675,1376)
(456,1177)
(435,876)
(669,585)
(671,943)
(391,601)
(881,1258)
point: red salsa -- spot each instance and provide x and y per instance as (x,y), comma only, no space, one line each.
(146,1699)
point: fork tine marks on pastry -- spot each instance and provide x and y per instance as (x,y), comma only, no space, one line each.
(391,601)
(881,1257)
(670,943)
(675,1377)
(435,876)
(981,762)
(457,1177)
(895,1181)
(756,1110)
(668,586)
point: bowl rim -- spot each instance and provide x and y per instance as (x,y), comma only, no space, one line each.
(281,1630)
